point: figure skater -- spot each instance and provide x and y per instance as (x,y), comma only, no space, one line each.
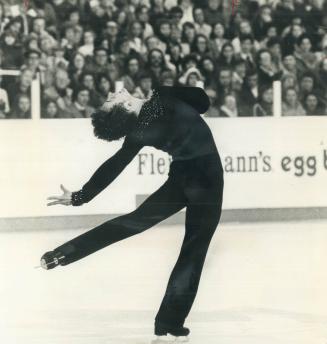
(170,121)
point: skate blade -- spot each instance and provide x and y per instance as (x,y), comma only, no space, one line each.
(170,339)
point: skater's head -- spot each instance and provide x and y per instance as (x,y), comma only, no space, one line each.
(117,116)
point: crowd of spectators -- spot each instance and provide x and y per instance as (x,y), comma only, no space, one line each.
(80,49)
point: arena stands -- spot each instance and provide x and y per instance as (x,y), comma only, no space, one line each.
(80,49)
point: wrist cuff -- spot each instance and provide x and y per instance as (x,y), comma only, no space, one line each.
(77,198)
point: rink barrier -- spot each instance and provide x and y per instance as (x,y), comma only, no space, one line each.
(229,216)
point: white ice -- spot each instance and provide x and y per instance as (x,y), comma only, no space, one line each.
(262,284)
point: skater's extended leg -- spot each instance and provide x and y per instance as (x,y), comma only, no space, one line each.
(164,202)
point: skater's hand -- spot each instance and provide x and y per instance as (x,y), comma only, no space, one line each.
(65,199)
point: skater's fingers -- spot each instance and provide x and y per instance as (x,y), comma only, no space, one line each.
(54,197)
(63,188)
(55,202)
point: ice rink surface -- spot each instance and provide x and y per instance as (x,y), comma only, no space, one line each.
(263,283)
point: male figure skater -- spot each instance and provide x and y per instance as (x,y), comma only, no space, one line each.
(170,121)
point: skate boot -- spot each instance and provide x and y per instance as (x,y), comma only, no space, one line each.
(51,259)
(161,329)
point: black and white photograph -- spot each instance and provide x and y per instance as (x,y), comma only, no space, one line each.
(163,171)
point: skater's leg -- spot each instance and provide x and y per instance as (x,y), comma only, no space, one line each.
(164,202)
(202,217)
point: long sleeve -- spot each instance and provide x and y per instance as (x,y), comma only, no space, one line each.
(106,173)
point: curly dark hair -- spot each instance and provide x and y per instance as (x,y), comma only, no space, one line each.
(113,124)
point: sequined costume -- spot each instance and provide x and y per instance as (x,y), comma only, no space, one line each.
(169,121)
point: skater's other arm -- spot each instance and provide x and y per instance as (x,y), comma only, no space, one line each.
(194,96)
(106,173)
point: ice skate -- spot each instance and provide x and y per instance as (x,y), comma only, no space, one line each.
(167,333)
(51,259)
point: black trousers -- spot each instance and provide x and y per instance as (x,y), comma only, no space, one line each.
(196,184)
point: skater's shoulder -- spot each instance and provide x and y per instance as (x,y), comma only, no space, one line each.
(194,96)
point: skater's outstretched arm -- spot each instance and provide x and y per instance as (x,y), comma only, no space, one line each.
(102,177)
(106,173)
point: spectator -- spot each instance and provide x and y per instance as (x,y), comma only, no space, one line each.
(111,35)
(176,35)
(76,68)
(175,16)
(291,105)
(307,85)
(246,51)
(289,66)
(87,81)
(274,47)
(130,78)
(175,56)
(12,51)
(168,78)
(142,15)
(59,92)
(99,63)
(213,12)
(229,107)
(305,58)
(244,30)
(267,72)
(200,47)
(289,81)
(284,13)
(104,86)
(224,85)
(163,31)
(157,11)
(23,108)
(249,94)
(144,88)
(312,105)
(88,44)
(153,42)
(187,8)
(45,9)
(227,57)
(261,21)
(135,37)
(68,41)
(156,64)
(80,108)
(265,105)
(239,75)
(217,39)
(270,32)
(289,40)
(188,37)
(33,63)
(20,87)
(201,27)
(50,110)
(190,61)
(213,110)
(124,50)
(191,77)
(209,72)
